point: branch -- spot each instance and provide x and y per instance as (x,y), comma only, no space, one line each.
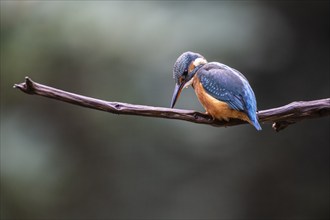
(281,117)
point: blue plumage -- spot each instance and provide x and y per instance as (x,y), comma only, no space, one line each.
(228,85)
(229,92)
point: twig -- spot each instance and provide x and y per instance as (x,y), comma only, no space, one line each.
(281,117)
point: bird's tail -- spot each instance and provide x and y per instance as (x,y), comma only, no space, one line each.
(256,125)
(254,121)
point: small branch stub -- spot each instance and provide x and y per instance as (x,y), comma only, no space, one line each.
(27,86)
(280,117)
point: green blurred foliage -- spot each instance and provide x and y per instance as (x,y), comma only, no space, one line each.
(60,161)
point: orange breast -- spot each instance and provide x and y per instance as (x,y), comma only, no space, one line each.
(217,109)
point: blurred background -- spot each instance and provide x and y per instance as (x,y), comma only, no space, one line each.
(60,161)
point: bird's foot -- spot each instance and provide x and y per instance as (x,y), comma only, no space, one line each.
(211,116)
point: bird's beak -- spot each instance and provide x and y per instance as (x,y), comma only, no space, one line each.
(176,93)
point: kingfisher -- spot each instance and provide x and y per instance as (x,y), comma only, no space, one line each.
(223,91)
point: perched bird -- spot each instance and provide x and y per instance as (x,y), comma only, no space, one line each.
(223,91)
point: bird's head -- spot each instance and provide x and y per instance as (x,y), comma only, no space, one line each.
(184,69)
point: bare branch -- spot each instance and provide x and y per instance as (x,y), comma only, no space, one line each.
(281,117)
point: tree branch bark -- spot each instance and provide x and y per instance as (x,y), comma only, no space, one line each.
(280,117)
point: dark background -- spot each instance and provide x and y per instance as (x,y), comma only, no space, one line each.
(60,161)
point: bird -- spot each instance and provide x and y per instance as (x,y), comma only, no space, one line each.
(224,92)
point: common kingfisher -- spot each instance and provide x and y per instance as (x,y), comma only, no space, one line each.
(223,91)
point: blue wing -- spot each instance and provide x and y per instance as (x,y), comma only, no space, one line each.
(228,85)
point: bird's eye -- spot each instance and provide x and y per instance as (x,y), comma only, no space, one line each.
(185,72)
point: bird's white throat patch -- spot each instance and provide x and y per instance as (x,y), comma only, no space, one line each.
(196,62)
(189,83)
(199,61)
